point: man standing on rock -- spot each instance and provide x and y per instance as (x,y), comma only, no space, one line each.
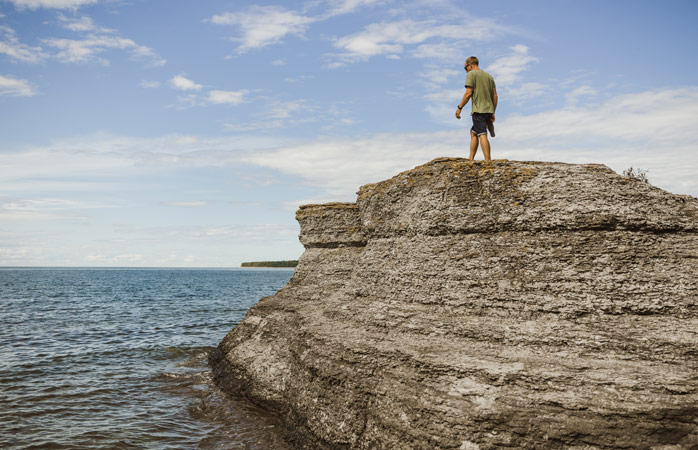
(479,85)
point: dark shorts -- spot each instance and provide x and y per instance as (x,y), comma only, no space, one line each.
(480,123)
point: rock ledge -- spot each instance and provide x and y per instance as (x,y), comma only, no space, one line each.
(464,305)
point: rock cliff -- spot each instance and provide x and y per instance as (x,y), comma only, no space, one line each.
(465,305)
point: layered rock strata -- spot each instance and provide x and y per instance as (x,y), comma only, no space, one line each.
(464,305)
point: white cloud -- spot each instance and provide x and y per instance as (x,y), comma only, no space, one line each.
(287,109)
(299,78)
(391,39)
(441,106)
(261,26)
(339,7)
(150,84)
(97,41)
(85,50)
(88,49)
(526,91)
(445,95)
(441,100)
(506,69)
(227,97)
(440,51)
(65,162)
(642,123)
(289,113)
(17,51)
(338,166)
(579,92)
(43,209)
(654,130)
(10,255)
(186,140)
(54,4)
(84,23)
(667,115)
(147,54)
(183,83)
(15,87)
(434,76)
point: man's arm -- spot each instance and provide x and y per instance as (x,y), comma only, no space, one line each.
(495,99)
(464,101)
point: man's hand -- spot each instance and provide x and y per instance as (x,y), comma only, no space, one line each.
(492,117)
(464,101)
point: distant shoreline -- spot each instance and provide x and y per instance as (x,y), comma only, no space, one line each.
(276,264)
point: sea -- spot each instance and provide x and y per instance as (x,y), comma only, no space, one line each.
(95,358)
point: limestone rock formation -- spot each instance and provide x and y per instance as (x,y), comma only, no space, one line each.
(465,305)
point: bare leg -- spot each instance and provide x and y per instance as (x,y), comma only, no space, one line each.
(485,146)
(473,145)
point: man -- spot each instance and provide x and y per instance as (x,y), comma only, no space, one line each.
(479,85)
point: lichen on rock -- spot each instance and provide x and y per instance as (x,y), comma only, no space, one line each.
(470,305)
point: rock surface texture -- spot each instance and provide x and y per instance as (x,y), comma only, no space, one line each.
(465,305)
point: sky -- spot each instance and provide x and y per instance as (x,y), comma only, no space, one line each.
(185,133)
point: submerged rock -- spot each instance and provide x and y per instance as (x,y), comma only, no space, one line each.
(465,305)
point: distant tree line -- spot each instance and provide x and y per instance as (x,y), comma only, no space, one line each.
(292,263)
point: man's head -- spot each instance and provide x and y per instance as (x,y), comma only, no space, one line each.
(471,62)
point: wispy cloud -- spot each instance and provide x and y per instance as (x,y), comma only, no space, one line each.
(642,123)
(82,23)
(441,51)
(52,4)
(226,97)
(17,51)
(108,157)
(437,38)
(388,38)
(89,49)
(214,96)
(665,115)
(41,209)
(86,50)
(288,113)
(436,75)
(182,83)
(96,41)
(261,26)
(506,69)
(15,87)
(150,84)
(526,91)
(340,7)
(579,92)
(335,166)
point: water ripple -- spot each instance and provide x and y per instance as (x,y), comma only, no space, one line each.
(118,359)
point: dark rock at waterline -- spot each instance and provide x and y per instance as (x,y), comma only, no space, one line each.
(465,305)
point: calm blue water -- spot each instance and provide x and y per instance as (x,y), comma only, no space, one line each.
(117,358)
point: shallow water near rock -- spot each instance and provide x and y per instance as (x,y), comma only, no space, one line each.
(117,358)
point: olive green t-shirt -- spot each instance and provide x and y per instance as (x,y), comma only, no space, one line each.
(483,89)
